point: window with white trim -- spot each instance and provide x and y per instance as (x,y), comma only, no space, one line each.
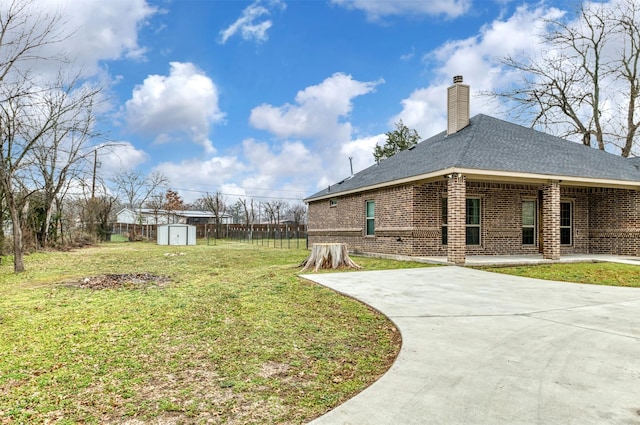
(528,222)
(473,221)
(445,212)
(370,218)
(566,223)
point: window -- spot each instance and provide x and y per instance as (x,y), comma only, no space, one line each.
(473,221)
(333,203)
(370,218)
(566,223)
(528,222)
(445,212)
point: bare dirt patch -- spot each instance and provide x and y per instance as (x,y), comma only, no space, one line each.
(122,281)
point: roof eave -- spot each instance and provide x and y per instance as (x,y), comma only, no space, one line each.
(491,176)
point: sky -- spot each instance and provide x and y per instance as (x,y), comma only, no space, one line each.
(268,99)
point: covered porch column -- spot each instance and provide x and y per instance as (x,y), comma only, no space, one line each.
(551,221)
(456,218)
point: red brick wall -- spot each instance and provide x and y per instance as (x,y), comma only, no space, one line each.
(614,222)
(456,196)
(413,215)
(501,220)
(346,222)
(579,199)
(427,211)
(551,220)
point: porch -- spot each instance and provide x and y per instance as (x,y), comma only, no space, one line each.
(516,260)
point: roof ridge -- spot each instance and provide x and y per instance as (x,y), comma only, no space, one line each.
(472,128)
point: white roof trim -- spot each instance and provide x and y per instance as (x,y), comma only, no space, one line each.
(493,176)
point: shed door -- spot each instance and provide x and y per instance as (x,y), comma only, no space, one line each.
(177,235)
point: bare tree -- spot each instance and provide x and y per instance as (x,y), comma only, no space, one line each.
(298,213)
(270,212)
(628,28)
(3,218)
(94,211)
(27,113)
(24,121)
(217,204)
(59,153)
(155,203)
(96,214)
(275,210)
(136,187)
(235,210)
(586,82)
(103,208)
(25,29)
(248,212)
(249,215)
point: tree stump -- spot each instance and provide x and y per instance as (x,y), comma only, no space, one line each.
(328,256)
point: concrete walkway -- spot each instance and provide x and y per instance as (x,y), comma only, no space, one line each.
(512,260)
(483,348)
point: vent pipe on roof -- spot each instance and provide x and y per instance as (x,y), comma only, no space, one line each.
(457,105)
(351,165)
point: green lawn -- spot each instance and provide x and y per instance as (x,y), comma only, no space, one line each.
(612,274)
(234,337)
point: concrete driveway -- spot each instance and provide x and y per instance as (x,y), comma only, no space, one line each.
(484,348)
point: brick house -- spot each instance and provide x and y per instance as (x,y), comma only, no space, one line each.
(485,187)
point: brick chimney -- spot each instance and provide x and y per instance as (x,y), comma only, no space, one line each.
(457,105)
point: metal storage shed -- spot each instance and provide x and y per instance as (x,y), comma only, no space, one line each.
(176,234)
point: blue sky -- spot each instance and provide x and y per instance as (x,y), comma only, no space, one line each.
(270,98)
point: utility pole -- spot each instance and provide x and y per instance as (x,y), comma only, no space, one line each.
(95,166)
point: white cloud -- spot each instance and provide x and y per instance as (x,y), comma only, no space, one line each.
(409,55)
(520,33)
(288,159)
(183,103)
(475,58)
(253,24)
(425,110)
(380,8)
(317,112)
(288,165)
(117,156)
(92,31)
(106,30)
(319,116)
(280,171)
(193,177)
(361,151)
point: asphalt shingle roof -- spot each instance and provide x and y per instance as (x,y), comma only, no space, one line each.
(491,144)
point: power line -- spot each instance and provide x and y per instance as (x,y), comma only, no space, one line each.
(225,194)
(241,196)
(244,188)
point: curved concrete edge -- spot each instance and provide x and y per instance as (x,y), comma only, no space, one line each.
(480,347)
(321,418)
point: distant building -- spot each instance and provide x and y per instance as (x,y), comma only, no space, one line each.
(151,216)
